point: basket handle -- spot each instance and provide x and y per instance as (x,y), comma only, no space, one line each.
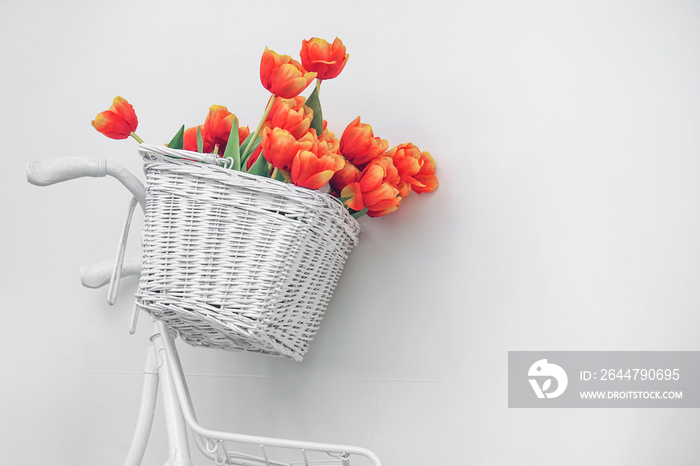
(214,159)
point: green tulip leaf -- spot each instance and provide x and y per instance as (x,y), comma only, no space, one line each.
(233,150)
(246,155)
(245,144)
(200,141)
(260,167)
(315,104)
(178,140)
(360,213)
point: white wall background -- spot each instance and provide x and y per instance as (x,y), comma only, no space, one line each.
(566,136)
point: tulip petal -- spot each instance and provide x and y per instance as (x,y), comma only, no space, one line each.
(112,125)
(279,147)
(318,180)
(372,177)
(303,166)
(353,195)
(283,76)
(379,213)
(382,197)
(125,110)
(429,182)
(343,177)
(328,60)
(267,64)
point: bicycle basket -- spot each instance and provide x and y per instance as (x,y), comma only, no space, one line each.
(236,261)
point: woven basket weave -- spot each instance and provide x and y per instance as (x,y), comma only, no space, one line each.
(237,261)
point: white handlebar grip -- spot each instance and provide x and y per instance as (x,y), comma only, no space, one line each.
(47,172)
(97,275)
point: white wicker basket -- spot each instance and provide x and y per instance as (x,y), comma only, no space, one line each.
(237,261)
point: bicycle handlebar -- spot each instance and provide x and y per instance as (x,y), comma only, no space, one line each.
(48,172)
(97,275)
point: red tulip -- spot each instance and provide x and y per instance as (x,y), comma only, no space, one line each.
(343,177)
(217,128)
(409,161)
(313,171)
(329,139)
(119,122)
(328,60)
(189,140)
(215,131)
(358,144)
(375,189)
(282,75)
(292,115)
(426,175)
(279,147)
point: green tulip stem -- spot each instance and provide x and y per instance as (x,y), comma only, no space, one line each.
(260,125)
(138,139)
(274,173)
(318,86)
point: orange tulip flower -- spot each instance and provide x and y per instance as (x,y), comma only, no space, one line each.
(282,75)
(189,140)
(328,60)
(406,158)
(426,175)
(375,189)
(313,171)
(119,122)
(329,139)
(409,161)
(217,128)
(358,144)
(292,115)
(279,147)
(215,131)
(343,177)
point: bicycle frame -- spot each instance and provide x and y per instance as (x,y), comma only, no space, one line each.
(163,369)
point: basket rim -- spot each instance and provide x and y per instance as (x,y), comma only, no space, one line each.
(212,162)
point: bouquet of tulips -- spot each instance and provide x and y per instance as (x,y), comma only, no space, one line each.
(291,143)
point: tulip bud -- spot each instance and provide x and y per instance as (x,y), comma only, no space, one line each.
(118,122)
(328,60)
(283,76)
(358,144)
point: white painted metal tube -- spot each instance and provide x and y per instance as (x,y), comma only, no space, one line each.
(98,275)
(144,421)
(117,271)
(179,450)
(177,379)
(52,171)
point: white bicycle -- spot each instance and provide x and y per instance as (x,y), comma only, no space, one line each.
(163,367)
